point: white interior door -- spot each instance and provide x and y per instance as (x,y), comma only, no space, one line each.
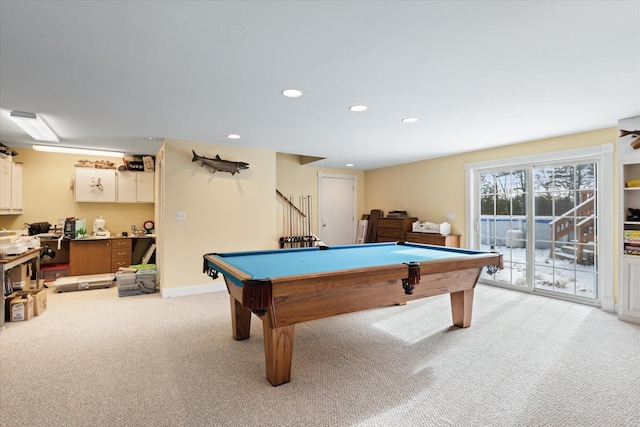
(337,208)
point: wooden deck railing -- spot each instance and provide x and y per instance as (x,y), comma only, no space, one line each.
(579,220)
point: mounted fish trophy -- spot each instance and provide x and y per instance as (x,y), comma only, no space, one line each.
(635,137)
(219,164)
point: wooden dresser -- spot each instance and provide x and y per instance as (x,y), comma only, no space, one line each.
(393,229)
(100,256)
(452,240)
(120,253)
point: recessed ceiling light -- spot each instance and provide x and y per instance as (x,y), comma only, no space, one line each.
(349,165)
(409,120)
(292,93)
(233,136)
(358,108)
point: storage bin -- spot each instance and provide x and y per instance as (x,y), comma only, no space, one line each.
(52,272)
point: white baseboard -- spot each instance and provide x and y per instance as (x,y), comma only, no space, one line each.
(608,304)
(193,290)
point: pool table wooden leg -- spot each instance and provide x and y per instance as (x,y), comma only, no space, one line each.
(278,352)
(461,306)
(240,320)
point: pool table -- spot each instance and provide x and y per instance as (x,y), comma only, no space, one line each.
(288,286)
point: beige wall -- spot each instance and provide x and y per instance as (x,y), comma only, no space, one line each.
(240,212)
(430,189)
(224,212)
(48,195)
(294,178)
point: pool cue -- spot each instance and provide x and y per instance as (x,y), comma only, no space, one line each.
(304,225)
(284,223)
(298,223)
(290,220)
(309,219)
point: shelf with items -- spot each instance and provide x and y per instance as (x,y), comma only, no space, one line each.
(629,216)
(630,197)
(631,210)
(631,242)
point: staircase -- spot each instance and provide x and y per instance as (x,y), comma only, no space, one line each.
(581,236)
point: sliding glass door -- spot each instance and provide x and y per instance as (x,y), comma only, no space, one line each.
(503,220)
(544,221)
(565,205)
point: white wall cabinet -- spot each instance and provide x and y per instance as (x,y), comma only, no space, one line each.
(95,185)
(5,185)
(16,188)
(109,185)
(629,198)
(135,187)
(629,308)
(11,201)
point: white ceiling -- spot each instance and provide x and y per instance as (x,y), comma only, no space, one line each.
(477,74)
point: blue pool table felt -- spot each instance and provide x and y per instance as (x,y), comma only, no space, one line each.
(293,262)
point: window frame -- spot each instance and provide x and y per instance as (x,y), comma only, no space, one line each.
(604,154)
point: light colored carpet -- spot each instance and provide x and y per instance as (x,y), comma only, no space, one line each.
(93,359)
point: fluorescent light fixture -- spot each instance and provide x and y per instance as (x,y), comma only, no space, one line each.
(72,150)
(358,108)
(349,165)
(409,120)
(34,126)
(233,136)
(292,93)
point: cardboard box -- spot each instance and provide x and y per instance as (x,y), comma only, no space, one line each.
(21,308)
(20,277)
(39,300)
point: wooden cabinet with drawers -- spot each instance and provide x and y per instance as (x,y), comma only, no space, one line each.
(99,256)
(120,253)
(451,240)
(88,256)
(393,229)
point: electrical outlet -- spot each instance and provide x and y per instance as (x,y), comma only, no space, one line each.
(451,215)
(181,216)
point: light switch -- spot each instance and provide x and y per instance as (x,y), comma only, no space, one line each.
(451,215)
(181,216)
